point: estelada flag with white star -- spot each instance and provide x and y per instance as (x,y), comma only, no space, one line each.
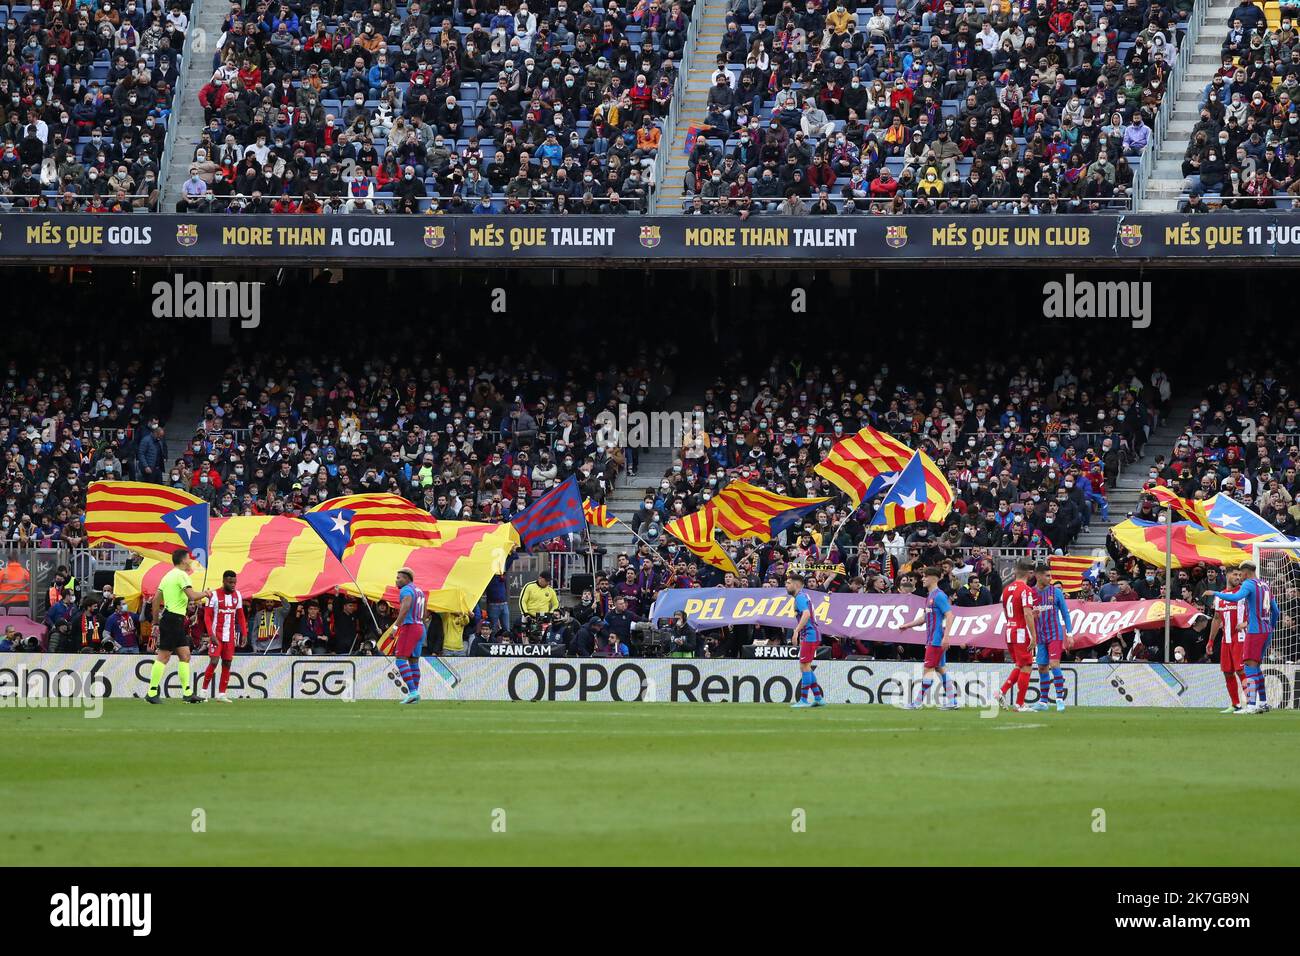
(1223,515)
(334,525)
(130,514)
(383,518)
(921,493)
(191,525)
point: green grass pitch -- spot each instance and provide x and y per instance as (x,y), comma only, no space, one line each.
(296,782)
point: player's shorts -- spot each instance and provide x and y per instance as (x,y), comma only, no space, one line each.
(1256,647)
(409,639)
(1047,651)
(222,649)
(1020,654)
(936,655)
(172,634)
(1230,656)
(808,651)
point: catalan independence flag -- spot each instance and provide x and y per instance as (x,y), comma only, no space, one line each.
(921,493)
(854,461)
(1192,545)
(130,514)
(742,510)
(383,518)
(695,530)
(1068,570)
(1223,515)
(556,513)
(597,515)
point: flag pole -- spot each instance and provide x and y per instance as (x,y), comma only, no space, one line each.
(1169,572)
(840,527)
(591,549)
(654,553)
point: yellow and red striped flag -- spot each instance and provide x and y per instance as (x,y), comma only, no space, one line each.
(695,530)
(385,519)
(745,511)
(1190,508)
(1068,570)
(129,513)
(597,515)
(1191,545)
(854,461)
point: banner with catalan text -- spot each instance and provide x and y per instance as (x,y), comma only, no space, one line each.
(880,617)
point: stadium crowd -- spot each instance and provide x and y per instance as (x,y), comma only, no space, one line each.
(85,98)
(71,420)
(328,107)
(914,107)
(479,440)
(1030,445)
(1243,440)
(1243,148)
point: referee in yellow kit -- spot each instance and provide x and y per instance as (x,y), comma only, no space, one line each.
(169,607)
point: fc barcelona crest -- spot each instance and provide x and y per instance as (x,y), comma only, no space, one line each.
(650,236)
(435,236)
(187,233)
(895,236)
(1130,234)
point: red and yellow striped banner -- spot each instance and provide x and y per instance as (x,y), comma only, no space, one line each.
(279,556)
(1068,570)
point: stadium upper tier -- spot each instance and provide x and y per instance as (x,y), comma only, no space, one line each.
(729,107)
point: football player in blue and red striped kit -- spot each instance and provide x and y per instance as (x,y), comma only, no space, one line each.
(410,633)
(1262,616)
(806,633)
(937,618)
(1053,628)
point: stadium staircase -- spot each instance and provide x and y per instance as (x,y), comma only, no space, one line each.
(699,66)
(624,501)
(1166,182)
(1127,491)
(205,30)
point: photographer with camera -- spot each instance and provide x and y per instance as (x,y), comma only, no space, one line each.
(682,637)
(312,636)
(538,598)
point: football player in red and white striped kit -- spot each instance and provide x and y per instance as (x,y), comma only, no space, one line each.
(227,627)
(1230,621)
